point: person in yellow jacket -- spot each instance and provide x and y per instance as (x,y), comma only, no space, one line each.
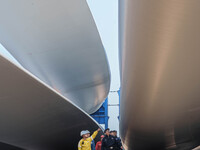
(85,142)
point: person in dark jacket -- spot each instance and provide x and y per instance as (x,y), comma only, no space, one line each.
(108,141)
(118,144)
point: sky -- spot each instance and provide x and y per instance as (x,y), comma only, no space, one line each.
(105,14)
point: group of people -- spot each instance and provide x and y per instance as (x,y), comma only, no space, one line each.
(109,141)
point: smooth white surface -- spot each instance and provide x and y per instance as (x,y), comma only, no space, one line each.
(160,98)
(58,42)
(34,116)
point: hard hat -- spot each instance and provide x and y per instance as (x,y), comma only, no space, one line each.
(84,132)
(87,131)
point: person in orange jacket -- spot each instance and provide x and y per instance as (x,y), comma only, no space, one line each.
(98,145)
(85,142)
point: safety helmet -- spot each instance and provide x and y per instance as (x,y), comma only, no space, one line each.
(84,132)
(87,131)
